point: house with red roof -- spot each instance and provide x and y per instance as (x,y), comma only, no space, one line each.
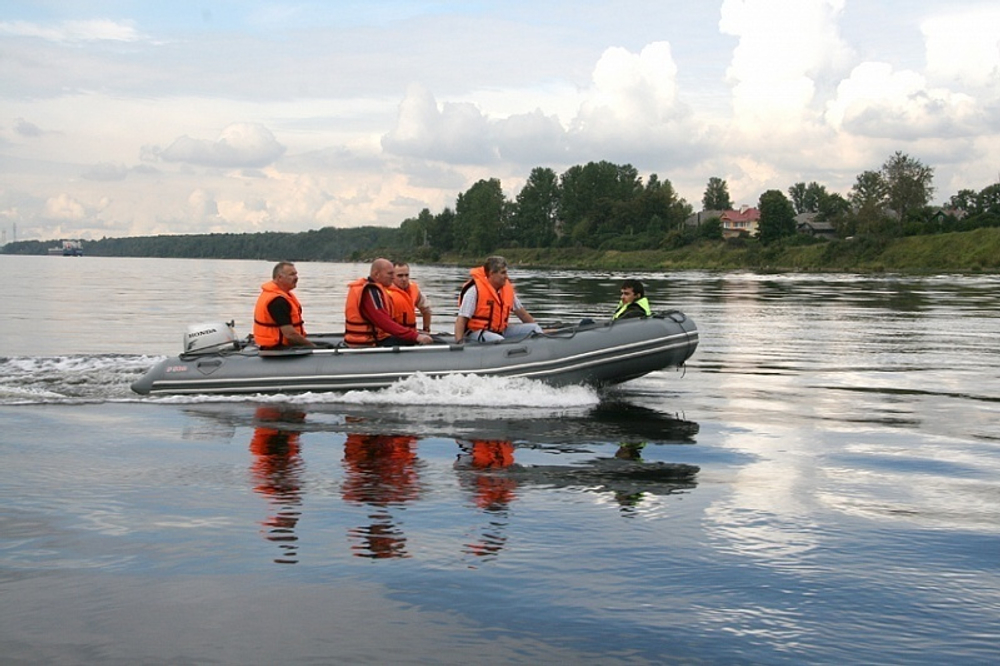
(742,221)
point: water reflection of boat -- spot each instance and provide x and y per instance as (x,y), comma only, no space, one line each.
(383,473)
(488,467)
(613,420)
(622,475)
(214,361)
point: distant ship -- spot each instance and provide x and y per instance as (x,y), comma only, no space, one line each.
(69,248)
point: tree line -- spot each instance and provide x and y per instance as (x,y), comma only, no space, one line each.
(599,205)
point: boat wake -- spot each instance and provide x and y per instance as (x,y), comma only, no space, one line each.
(107,378)
(71,379)
(469,390)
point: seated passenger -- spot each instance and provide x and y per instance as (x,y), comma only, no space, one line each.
(407,299)
(368,320)
(485,304)
(277,317)
(633,302)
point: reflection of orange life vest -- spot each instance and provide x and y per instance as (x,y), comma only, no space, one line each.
(489,454)
(276,464)
(492,308)
(266,332)
(493,492)
(380,469)
(404,303)
(358,331)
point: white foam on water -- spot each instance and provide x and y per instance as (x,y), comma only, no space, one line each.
(501,393)
(45,380)
(54,379)
(471,390)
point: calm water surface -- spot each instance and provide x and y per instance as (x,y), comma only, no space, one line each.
(847,507)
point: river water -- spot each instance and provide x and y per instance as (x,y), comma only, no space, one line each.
(847,507)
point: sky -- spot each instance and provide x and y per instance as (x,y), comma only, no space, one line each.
(128,118)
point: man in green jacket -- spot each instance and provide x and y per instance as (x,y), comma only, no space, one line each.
(633,302)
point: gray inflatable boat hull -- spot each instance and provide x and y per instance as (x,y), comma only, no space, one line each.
(596,354)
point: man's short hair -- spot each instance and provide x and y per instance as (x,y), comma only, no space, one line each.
(635,286)
(493,264)
(276,271)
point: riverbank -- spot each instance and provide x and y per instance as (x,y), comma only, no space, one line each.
(976,251)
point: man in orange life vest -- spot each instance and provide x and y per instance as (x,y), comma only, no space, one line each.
(368,312)
(485,304)
(277,317)
(407,297)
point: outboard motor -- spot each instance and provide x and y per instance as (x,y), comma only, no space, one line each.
(210,338)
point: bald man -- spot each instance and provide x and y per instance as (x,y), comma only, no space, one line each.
(368,311)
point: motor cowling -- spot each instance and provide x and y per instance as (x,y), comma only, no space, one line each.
(210,338)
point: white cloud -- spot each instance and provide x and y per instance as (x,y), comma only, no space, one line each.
(64,207)
(632,105)
(783,47)
(877,102)
(455,131)
(239,145)
(635,87)
(74,31)
(633,99)
(24,128)
(528,138)
(202,205)
(106,171)
(964,48)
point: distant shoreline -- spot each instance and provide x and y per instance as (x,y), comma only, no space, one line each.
(964,252)
(971,252)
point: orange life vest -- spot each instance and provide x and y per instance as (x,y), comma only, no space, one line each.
(266,332)
(358,331)
(404,304)
(492,307)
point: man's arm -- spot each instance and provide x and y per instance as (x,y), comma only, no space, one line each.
(425,311)
(293,337)
(281,311)
(523,315)
(460,324)
(380,318)
(466,309)
(521,312)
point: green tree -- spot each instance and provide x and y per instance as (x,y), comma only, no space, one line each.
(988,200)
(479,218)
(584,188)
(415,231)
(836,210)
(907,184)
(716,195)
(965,200)
(536,209)
(806,198)
(441,231)
(710,229)
(657,208)
(869,197)
(869,191)
(777,217)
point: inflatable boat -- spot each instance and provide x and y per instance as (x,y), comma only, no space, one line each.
(214,360)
